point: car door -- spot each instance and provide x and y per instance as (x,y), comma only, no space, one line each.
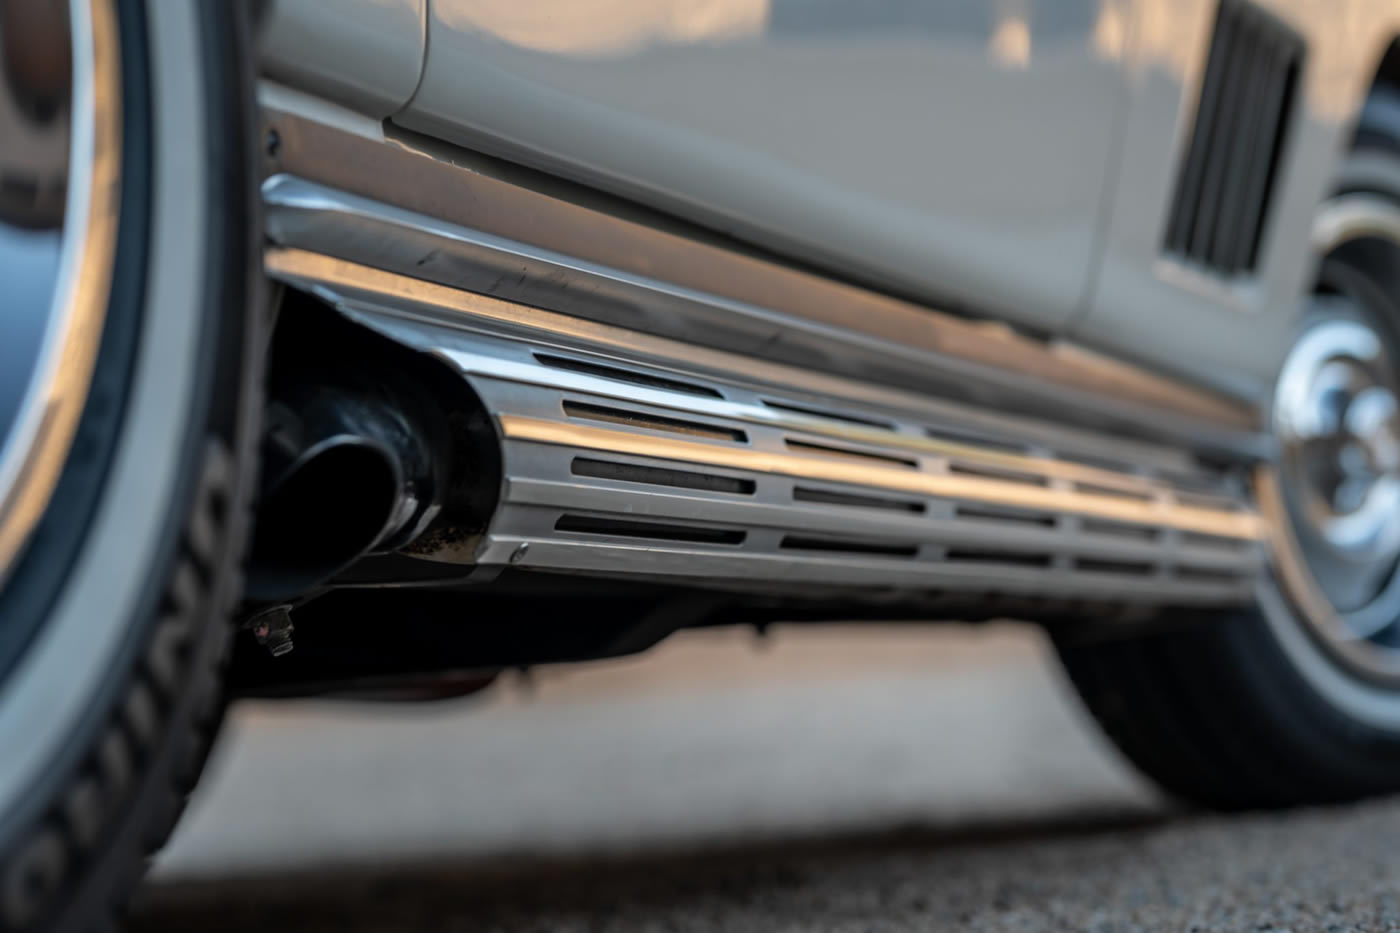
(955,152)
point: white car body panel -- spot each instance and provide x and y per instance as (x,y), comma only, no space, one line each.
(362,54)
(1013,159)
(924,148)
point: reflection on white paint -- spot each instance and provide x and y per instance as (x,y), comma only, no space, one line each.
(1110,31)
(1010,45)
(1172,36)
(605,27)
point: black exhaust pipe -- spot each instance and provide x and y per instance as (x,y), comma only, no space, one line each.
(349,468)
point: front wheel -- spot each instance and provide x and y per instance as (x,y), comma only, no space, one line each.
(1298,702)
(127,374)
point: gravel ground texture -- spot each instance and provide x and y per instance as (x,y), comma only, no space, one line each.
(1329,870)
(875,780)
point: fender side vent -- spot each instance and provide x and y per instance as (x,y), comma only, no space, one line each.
(1226,178)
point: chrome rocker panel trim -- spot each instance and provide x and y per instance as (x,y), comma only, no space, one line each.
(462,220)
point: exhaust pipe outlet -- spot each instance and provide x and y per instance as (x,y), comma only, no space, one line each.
(347,470)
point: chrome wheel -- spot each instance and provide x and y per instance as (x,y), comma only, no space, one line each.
(1334,497)
(129,391)
(60,143)
(1298,702)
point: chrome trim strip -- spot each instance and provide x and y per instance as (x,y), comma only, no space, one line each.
(462,220)
(1225,524)
(354,284)
(816,574)
(32,458)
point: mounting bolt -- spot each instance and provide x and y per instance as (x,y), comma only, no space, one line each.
(273,629)
(519,553)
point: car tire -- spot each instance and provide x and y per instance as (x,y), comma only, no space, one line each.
(114,617)
(1254,710)
(1217,714)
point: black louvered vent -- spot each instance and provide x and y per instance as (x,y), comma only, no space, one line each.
(1223,191)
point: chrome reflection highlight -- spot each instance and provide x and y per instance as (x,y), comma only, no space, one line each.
(589,28)
(1333,499)
(1336,418)
(60,141)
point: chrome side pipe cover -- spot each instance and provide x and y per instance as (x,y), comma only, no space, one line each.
(633,456)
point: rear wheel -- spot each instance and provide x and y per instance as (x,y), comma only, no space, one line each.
(1298,702)
(127,369)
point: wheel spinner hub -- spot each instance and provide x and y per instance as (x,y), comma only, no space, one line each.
(1337,419)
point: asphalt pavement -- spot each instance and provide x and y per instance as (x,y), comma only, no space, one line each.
(822,780)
